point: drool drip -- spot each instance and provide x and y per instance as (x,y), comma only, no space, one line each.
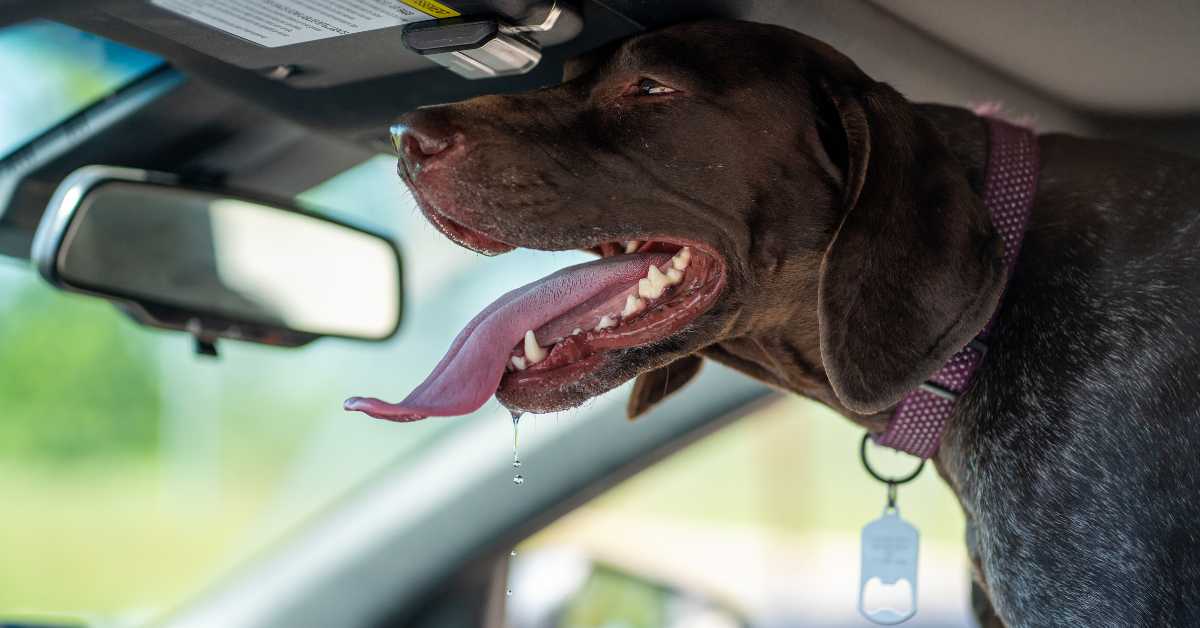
(518,479)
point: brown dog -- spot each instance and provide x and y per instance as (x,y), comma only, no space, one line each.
(837,247)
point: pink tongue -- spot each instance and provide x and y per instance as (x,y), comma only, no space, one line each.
(471,370)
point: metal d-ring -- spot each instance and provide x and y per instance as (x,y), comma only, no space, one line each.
(892,483)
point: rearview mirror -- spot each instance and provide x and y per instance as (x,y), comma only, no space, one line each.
(217,264)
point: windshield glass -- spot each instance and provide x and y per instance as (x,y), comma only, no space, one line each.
(135,473)
(53,71)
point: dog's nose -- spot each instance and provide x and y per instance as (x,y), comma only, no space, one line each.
(421,138)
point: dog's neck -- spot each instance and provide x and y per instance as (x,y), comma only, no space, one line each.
(789,358)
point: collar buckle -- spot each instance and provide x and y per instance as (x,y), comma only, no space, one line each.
(942,391)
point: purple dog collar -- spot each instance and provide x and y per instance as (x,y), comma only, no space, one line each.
(1009,185)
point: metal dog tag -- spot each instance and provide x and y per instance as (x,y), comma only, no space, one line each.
(887,587)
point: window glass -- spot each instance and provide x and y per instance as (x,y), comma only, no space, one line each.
(52,71)
(757,524)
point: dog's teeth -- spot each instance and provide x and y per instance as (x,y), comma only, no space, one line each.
(645,289)
(657,279)
(674,276)
(605,323)
(576,331)
(518,362)
(632,245)
(682,258)
(534,353)
(633,305)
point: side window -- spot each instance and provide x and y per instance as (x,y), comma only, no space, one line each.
(756,525)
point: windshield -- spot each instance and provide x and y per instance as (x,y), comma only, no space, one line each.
(53,71)
(135,473)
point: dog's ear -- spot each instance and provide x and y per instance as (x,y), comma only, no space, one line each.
(913,272)
(654,386)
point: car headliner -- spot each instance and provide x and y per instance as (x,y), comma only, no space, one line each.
(1136,58)
(1121,61)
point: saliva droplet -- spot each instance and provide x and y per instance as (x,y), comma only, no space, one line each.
(516,463)
(508,592)
(513,553)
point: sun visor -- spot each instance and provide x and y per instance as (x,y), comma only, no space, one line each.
(323,44)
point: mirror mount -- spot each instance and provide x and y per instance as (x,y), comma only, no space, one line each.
(217,264)
(206,347)
(203,344)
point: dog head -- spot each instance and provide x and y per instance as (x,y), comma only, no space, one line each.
(836,248)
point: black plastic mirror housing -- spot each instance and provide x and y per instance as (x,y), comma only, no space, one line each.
(217,263)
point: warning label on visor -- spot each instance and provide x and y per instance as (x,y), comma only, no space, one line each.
(274,23)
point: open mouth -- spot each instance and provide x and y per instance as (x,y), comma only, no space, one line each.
(679,283)
(551,344)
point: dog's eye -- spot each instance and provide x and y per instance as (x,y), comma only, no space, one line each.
(651,87)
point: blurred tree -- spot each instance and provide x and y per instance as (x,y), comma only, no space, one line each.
(77,383)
